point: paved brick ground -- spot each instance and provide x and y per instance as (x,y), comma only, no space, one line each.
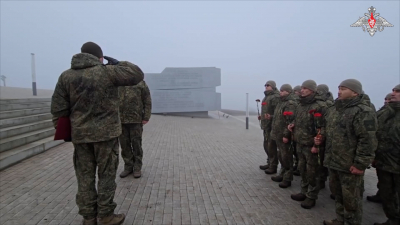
(196,171)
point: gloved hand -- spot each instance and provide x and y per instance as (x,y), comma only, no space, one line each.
(111,61)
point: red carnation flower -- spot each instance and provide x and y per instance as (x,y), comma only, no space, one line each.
(287,113)
(312,111)
(317,115)
(264,103)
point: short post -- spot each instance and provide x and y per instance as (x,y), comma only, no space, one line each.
(247,111)
(3,78)
(33,75)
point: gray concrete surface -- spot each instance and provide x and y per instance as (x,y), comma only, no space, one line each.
(196,171)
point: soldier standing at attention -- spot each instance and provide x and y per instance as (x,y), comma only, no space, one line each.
(376,198)
(296,171)
(351,125)
(307,125)
(326,95)
(387,160)
(135,111)
(283,116)
(271,97)
(87,93)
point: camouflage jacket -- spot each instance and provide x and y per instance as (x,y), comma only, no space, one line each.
(268,104)
(135,103)
(327,97)
(309,119)
(388,135)
(88,94)
(350,135)
(365,98)
(283,116)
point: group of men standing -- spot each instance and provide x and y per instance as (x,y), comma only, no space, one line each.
(315,136)
(107,106)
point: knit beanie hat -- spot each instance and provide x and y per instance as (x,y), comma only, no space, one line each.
(388,96)
(353,85)
(92,48)
(286,87)
(323,88)
(397,87)
(271,83)
(310,84)
(297,88)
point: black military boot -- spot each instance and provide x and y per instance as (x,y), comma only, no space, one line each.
(264,167)
(389,222)
(333,222)
(270,170)
(125,173)
(285,184)
(92,221)
(114,219)
(308,203)
(296,172)
(278,178)
(298,197)
(374,198)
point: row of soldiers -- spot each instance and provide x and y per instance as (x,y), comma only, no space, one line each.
(107,105)
(318,137)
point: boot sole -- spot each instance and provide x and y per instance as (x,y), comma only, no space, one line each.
(299,200)
(124,176)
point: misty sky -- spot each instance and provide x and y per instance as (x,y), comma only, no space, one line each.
(251,42)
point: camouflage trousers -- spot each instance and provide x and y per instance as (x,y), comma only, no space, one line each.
(88,157)
(285,156)
(389,190)
(348,189)
(309,171)
(296,157)
(131,145)
(272,153)
(324,172)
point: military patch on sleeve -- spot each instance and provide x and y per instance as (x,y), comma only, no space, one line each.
(369,125)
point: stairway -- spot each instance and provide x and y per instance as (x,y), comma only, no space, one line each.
(26,129)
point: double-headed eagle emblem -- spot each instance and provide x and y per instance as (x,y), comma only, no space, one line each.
(371,22)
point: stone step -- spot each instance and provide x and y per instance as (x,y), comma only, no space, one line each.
(23,112)
(13,156)
(23,139)
(24,128)
(24,120)
(27,105)
(24,100)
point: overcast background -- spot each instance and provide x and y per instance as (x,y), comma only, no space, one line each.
(251,42)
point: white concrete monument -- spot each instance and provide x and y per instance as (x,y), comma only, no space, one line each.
(189,91)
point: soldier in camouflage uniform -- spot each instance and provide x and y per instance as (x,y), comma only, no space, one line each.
(351,126)
(376,198)
(387,160)
(88,94)
(326,95)
(296,171)
(271,101)
(307,125)
(135,111)
(268,104)
(283,116)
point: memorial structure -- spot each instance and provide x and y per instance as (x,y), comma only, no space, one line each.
(189,91)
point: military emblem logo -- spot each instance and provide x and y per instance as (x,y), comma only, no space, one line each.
(371,22)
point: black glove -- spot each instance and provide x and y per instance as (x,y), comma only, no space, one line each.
(111,61)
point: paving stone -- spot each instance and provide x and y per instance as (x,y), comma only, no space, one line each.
(195,171)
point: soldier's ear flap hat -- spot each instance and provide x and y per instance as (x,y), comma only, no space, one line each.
(323,88)
(271,83)
(397,88)
(297,88)
(388,96)
(353,85)
(286,87)
(92,48)
(310,84)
